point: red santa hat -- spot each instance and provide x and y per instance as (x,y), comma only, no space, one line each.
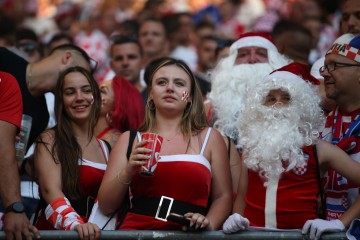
(294,71)
(295,79)
(347,45)
(254,39)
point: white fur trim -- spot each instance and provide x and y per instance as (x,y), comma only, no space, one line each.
(253,41)
(316,66)
(284,75)
(270,204)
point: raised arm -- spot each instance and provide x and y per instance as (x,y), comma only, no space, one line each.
(119,173)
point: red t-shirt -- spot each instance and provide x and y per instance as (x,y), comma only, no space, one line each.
(11,106)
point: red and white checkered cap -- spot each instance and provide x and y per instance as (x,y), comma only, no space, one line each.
(347,45)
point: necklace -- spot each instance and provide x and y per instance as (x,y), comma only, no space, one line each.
(171,137)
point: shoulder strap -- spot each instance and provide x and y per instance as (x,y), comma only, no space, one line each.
(322,207)
(205,141)
(131,140)
(106,144)
(229,146)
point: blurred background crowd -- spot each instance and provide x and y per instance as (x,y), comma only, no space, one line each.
(302,29)
(122,37)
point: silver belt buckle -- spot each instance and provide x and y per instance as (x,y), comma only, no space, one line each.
(168,208)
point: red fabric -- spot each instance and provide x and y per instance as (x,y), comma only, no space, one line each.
(11,106)
(257,34)
(106,130)
(62,215)
(296,197)
(90,179)
(300,70)
(178,178)
(91,175)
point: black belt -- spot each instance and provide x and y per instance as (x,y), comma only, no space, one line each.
(161,207)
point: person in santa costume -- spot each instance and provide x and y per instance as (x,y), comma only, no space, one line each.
(282,156)
(252,57)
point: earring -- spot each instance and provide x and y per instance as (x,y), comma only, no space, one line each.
(108,118)
(150,104)
(188,106)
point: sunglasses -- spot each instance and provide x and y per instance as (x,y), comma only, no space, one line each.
(28,47)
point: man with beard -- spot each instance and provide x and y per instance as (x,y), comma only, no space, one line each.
(252,57)
(283,158)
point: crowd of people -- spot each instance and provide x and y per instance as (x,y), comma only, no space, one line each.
(257,104)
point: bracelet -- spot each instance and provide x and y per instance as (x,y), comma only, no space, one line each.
(121,181)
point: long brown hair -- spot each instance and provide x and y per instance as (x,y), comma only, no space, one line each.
(66,150)
(194,118)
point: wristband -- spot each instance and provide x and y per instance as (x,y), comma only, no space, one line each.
(62,215)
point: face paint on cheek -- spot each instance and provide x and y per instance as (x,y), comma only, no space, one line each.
(185,96)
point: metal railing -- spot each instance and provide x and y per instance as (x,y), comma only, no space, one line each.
(179,235)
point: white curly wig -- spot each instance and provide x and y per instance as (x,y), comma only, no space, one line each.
(271,136)
(229,81)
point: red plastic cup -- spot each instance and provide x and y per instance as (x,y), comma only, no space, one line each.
(154,142)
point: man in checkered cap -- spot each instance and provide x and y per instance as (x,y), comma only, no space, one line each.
(283,158)
(251,57)
(341,73)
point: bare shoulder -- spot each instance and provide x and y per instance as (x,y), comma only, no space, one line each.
(215,136)
(122,141)
(48,134)
(47,137)
(123,137)
(43,148)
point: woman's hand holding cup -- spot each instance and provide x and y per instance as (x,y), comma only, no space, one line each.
(138,157)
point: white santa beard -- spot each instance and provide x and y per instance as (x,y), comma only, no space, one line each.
(271,140)
(228,90)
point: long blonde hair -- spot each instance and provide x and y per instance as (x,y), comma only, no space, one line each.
(194,118)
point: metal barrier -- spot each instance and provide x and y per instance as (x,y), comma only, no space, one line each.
(178,235)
